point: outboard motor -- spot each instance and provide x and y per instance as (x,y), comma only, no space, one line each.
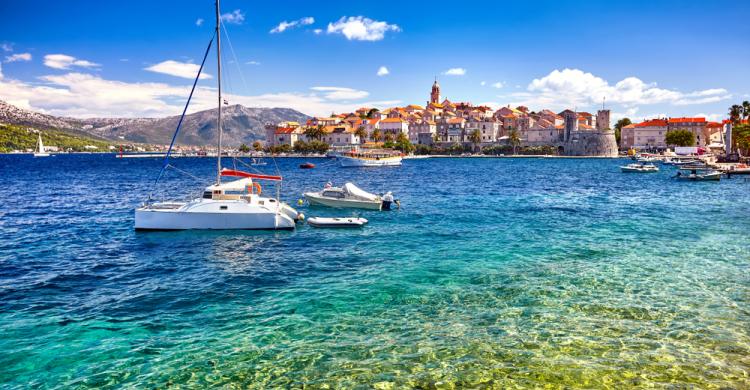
(387,200)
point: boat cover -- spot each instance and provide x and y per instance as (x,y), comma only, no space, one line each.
(357,192)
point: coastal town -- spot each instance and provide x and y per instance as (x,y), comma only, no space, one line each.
(444,125)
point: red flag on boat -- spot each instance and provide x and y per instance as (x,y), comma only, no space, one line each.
(236,173)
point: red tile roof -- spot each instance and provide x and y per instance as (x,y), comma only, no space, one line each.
(285,130)
(713,125)
(653,123)
(684,120)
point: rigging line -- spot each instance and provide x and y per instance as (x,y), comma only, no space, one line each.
(234,55)
(186,173)
(187,103)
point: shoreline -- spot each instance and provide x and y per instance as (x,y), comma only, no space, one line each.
(416,157)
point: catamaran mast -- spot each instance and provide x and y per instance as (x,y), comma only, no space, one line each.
(218,71)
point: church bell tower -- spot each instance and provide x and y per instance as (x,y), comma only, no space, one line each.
(435,94)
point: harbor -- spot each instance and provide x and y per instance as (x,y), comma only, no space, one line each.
(506,277)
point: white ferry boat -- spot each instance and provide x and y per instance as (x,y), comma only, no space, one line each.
(370,158)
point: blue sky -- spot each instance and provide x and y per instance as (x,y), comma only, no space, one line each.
(136,58)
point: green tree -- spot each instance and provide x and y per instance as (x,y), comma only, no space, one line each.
(372,112)
(514,139)
(618,128)
(301,147)
(735,114)
(257,146)
(314,132)
(376,135)
(680,137)
(361,133)
(741,137)
(476,138)
(388,138)
(318,146)
(403,144)
(244,148)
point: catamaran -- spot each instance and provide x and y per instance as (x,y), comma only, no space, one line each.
(40,148)
(237,204)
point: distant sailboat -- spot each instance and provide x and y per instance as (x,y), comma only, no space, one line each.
(40,148)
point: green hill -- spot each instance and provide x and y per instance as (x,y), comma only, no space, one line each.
(21,138)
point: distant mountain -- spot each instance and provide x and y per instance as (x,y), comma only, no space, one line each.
(241,125)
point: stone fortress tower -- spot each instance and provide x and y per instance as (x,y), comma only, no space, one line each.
(595,142)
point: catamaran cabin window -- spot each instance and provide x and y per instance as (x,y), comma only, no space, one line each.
(206,194)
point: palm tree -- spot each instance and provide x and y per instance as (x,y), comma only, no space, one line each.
(361,133)
(476,138)
(388,137)
(376,135)
(746,109)
(735,114)
(514,139)
(314,132)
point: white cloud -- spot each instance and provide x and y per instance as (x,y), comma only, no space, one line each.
(360,28)
(85,95)
(283,26)
(252,63)
(199,22)
(711,117)
(341,93)
(318,31)
(382,71)
(63,61)
(497,85)
(483,83)
(178,69)
(455,72)
(234,17)
(1,71)
(6,46)
(18,57)
(574,87)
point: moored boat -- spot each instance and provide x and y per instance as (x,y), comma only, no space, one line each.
(639,168)
(349,196)
(352,222)
(307,165)
(370,158)
(698,174)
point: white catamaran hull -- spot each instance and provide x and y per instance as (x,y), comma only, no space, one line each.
(360,162)
(215,214)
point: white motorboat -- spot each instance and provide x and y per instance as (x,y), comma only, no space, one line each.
(40,152)
(698,174)
(642,168)
(370,158)
(337,222)
(236,204)
(349,196)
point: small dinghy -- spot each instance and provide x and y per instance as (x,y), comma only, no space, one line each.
(323,222)
(307,165)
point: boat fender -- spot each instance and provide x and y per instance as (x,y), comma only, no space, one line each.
(300,217)
(300,202)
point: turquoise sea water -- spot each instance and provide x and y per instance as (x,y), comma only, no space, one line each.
(496,273)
